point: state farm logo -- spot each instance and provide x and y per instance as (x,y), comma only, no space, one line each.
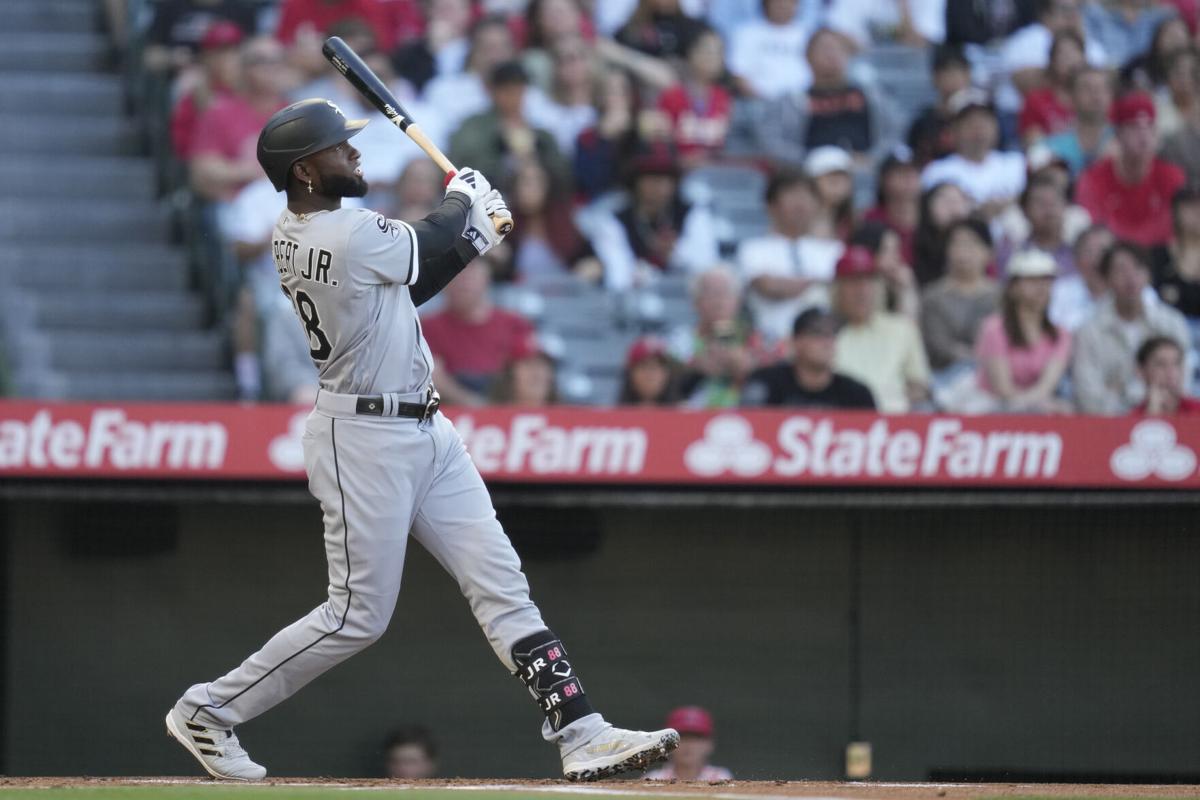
(728,446)
(820,448)
(1153,449)
(529,443)
(286,451)
(108,439)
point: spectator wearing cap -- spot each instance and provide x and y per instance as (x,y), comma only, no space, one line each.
(1047,109)
(1124,28)
(915,23)
(898,200)
(1103,375)
(1160,365)
(1130,192)
(223,147)
(767,55)
(689,761)
(789,269)
(651,375)
(1074,297)
(1022,355)
(1176,267)
(471,339)
(698,106)
(410,753)
(808,380)
(993,179)
(721,350)
(832,171)
(878,348)
(529,380)
(953,308)
(496,140)
(831,111)
(220,71)
(178,27)
(1091,135)
(931,134)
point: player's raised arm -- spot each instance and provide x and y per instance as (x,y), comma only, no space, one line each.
(450,238)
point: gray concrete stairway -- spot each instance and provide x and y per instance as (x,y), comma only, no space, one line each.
(95,301)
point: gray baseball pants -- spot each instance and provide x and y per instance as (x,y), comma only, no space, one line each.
(377,479)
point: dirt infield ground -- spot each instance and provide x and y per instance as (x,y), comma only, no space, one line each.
(309,788)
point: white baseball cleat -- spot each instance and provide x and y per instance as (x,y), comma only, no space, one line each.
(216,749)
(614,750)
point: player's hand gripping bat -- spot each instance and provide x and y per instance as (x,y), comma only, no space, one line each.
(347,62)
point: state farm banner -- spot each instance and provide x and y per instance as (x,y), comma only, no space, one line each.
(624,446)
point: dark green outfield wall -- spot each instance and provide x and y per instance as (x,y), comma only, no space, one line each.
(960,641)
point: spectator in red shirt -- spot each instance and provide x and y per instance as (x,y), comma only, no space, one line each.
(221,66)
(1160,363)
(1048,110)
(295,16)
(471,339)
(698,106)
(223,148)
(1130,193)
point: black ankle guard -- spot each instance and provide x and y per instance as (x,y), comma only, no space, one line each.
(543,667)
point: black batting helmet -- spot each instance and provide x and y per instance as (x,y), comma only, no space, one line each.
(300,130)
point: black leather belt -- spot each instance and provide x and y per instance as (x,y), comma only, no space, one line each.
(374,405)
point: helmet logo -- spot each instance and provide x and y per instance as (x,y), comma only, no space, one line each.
(334,106)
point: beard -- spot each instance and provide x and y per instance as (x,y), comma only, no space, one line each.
(344,186)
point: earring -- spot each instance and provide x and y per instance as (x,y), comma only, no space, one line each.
(310,189)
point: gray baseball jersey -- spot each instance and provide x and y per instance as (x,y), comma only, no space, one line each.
(347,274)
(378,479)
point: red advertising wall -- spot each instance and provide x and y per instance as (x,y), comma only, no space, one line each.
(573,445)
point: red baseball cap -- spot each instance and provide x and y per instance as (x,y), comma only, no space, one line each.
(644,348)
(1131,107)
(222,33)
(692,719)
(856,262)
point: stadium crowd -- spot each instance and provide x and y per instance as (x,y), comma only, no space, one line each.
(1028,242)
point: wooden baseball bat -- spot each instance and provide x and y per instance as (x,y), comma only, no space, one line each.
(362,78)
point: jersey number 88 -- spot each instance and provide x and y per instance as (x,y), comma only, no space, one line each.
(307,311)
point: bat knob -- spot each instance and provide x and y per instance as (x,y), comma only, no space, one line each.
(503,225)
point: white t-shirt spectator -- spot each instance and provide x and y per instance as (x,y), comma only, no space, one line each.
(864,20)
(999,176)
(727,15)
(771,57)
(778,256)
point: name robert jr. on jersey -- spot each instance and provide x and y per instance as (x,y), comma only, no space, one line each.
(315,268)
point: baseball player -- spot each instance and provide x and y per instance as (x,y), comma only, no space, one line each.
(382,461)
